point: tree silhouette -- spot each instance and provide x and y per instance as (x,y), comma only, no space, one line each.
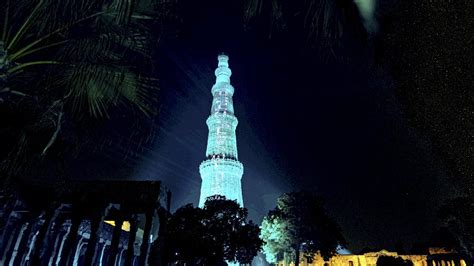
(393,261)
(322,24)
(300,224)
(217,233)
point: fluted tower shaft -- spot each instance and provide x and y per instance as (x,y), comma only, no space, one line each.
(221,172)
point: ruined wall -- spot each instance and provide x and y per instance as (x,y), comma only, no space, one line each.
(370,259)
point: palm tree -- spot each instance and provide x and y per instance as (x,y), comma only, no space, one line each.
(325,24)
(69,63)
(73,56)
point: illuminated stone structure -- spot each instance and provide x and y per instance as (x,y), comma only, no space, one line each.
(435,257)
(221,172)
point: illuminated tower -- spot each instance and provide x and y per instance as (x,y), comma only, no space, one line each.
(221,172)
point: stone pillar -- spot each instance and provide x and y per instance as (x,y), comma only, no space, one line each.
(32,241)
(131,241)
(67,254)
(78,250)
(56,238)
(91,252)
(8,214)
(11,225)
(49,216)
(17,244)
(53,237)
(120,256)
(57,259)
(115,242)
(144,250)
(23,247)
(10,240)
(102,253)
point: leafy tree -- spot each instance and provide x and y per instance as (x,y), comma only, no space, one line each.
(303,226)
(276,238)
(184,234)
(393,261)
(209,236)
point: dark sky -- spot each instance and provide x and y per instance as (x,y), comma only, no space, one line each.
(333,128)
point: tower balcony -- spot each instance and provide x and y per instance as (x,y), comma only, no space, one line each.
(225,166)
(221,176)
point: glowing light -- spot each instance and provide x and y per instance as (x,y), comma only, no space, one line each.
(125,225)
(221,172)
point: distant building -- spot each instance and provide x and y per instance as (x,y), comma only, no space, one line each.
(435,257)
(221,172)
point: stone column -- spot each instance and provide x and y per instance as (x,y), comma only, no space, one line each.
(10,240)
(32,241)
(6,221)
(23,247)
(77,254)
(59,235)
(131,241)
(57,259)
(102,253)
(144,250)
(91,252)
(120,256)
(7,237)
(67,254)
(17,244)
(115,241)
(53,237)
(49,217)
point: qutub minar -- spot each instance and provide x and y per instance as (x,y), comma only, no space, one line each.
(221,172)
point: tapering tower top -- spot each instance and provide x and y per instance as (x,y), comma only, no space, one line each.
(223,60)
(222,91)
(223,71)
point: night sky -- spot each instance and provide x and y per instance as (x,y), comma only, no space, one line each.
(335,128)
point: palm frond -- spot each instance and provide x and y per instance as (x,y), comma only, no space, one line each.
(326,22)
(97,87)
(27,24)
(6,16)
(96,68)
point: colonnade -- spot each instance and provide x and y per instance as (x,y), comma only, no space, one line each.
(63,232)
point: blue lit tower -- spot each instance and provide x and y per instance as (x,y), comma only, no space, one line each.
(221,172)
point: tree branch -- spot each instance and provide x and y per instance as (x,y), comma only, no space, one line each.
(55,134)
(14,92)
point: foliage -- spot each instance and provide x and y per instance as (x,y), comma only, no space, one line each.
(392,261)
(65,67)
(300,224)
(77,53)
(277,239)
(219,232)
(326,24)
